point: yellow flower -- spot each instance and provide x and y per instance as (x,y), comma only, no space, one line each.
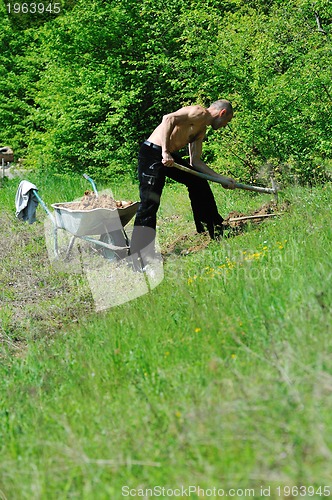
(197,330)
(255,256)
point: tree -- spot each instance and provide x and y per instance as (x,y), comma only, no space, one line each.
(82,90)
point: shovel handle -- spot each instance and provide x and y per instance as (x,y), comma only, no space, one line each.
(238,185)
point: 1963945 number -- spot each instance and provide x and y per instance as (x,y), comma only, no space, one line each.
(33,8)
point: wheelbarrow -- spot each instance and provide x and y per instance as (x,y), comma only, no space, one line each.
(106,223)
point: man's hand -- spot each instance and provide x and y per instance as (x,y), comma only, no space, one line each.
(227,182)
(167,160)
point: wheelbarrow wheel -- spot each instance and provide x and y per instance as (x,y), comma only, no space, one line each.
(115,238)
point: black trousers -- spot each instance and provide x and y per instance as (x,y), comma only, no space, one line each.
(152,174)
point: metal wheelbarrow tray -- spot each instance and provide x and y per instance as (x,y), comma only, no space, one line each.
(108,223)
(94,221)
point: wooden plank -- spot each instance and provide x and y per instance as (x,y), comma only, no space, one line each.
(246,217)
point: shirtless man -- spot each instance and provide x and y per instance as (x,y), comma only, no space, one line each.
(187,126)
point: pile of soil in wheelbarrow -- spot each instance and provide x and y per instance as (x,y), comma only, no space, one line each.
(90,201)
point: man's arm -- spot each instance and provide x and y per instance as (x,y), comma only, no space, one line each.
(166,128)
(182,117)
(195,152)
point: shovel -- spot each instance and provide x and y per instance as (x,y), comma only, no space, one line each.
(238,185)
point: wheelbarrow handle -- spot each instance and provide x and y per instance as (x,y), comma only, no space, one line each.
(92,184)
(238,185)
(35,192)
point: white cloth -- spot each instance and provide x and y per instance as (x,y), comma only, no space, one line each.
(26,202)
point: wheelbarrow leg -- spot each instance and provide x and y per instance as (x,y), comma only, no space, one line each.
(126,239)
(70,246)
(55,235)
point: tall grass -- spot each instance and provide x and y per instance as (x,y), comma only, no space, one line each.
(220,377)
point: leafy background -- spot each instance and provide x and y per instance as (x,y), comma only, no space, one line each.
(80,91)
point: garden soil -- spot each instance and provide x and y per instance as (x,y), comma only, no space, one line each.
(186,244)
(90,201)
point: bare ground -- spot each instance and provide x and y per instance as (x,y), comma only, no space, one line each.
(190,243)
(35,299)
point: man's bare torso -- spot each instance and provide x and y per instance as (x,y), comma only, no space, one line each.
(178,129)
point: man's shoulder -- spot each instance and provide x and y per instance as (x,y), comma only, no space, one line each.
(195,109)
(194,112)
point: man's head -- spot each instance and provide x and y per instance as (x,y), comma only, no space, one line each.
(222,112)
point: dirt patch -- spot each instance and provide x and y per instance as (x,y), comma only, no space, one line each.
(35,298)
(237,222)
(187,243)
(191,243)
(90,201)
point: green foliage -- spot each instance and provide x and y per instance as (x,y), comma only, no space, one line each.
(24,15)
(80,91)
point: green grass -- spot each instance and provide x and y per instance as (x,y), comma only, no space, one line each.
(220,377)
